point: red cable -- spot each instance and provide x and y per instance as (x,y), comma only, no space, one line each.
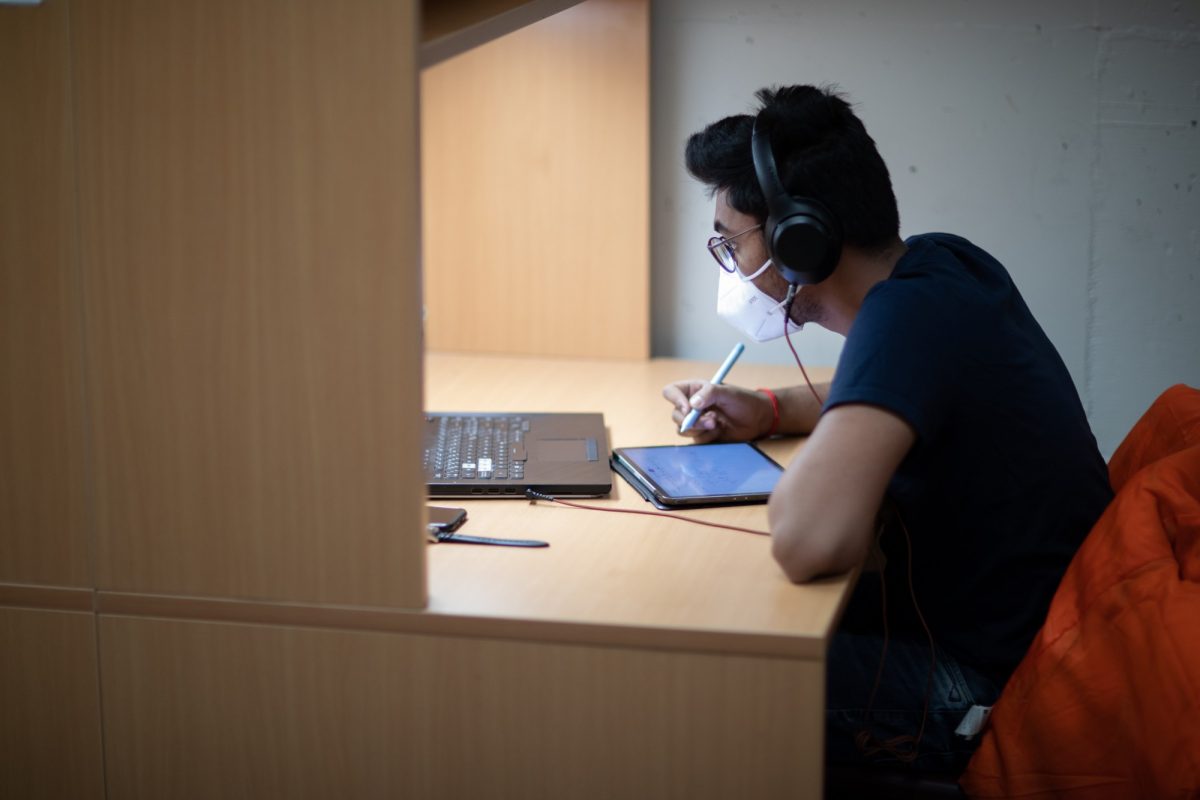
(865,741)
(535,496)
(787,335)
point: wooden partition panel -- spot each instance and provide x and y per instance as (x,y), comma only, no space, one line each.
(249,241)
(43,538)
(49,692)
(450,28)
(202,710)
(535,183)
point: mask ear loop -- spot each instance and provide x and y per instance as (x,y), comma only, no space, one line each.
(759,271)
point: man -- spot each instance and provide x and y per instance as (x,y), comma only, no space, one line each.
(951,434)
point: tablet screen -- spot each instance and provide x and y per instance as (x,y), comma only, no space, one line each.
(705,470)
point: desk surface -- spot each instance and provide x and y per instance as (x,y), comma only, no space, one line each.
(621,579)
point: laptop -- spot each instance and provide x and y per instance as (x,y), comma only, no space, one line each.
(476,455)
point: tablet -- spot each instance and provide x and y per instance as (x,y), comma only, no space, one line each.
(674,476)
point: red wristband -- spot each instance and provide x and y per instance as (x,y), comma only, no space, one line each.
(774,409)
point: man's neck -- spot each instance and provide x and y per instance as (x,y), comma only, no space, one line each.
(857,272)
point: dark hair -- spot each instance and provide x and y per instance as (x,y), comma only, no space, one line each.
(821,151)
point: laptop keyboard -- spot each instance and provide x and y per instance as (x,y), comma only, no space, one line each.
(470,448)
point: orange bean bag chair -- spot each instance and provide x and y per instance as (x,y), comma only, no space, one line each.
(1106,703)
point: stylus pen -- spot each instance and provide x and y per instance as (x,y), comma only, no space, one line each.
(717,379)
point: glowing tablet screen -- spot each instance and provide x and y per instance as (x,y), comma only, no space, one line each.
(705,470)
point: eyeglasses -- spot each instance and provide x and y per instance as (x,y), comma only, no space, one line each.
(721,248)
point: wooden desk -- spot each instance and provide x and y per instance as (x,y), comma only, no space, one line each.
(691,635)
(636,657)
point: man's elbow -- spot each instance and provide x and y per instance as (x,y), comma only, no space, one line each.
(813,554)
(801,562)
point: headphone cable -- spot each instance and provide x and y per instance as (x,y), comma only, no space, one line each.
(866,742)
(787,335)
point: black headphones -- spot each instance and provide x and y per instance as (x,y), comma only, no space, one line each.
(803,239)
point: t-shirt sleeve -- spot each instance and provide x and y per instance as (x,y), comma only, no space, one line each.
(905,351)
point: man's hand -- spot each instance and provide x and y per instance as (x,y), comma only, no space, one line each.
(730,413)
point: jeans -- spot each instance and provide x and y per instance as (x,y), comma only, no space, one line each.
(901,694)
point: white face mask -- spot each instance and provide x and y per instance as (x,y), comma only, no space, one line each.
(749,309)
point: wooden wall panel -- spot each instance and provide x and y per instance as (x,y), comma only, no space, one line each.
(199,710)
(249,240)
(535,181)
(43,536)
(49,692)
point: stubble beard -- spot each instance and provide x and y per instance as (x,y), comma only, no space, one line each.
(804,309)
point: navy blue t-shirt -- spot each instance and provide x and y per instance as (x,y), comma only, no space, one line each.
(1005,479)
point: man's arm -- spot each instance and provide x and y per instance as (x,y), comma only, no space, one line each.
(738,414)
(823,510)
(798,409)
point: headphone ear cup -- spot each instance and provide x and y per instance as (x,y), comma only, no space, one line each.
(804,240)
(805,244)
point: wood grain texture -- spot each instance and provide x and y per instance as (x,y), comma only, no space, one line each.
(43,533)
(49,690)
(198,710)
(535,187)
(249,217)
(47,598)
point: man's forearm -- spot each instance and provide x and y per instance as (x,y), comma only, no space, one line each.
(798,409)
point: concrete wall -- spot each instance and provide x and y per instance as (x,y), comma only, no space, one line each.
(1062,137)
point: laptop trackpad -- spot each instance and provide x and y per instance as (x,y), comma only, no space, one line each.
(564,450)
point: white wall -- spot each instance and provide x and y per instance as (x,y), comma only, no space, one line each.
(1062,137)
